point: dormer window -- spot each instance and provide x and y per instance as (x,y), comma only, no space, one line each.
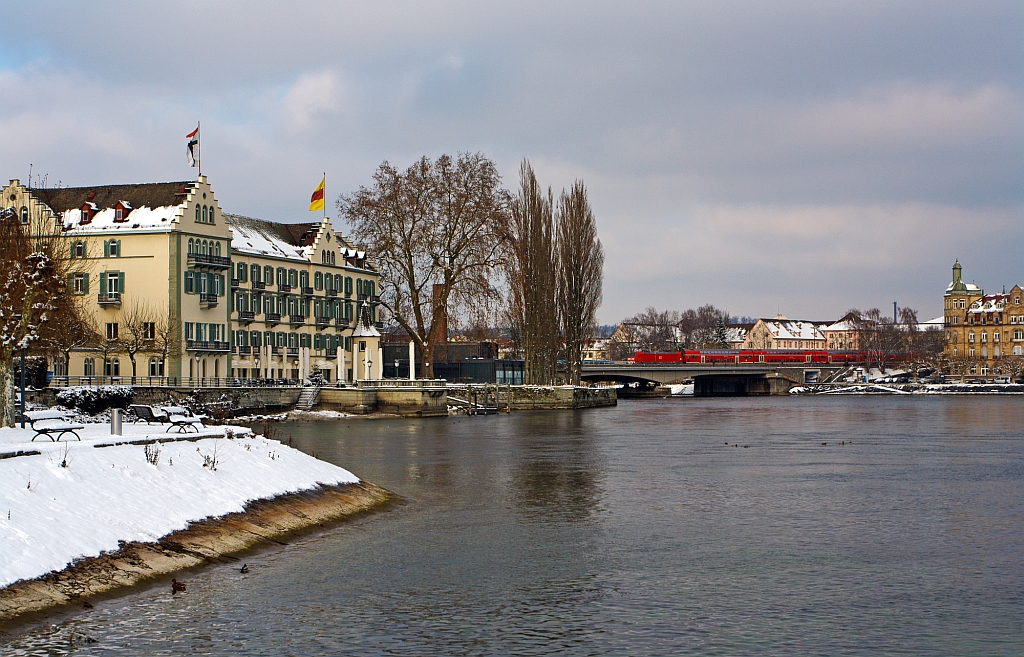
(121,211)
(118,214)
(24,215)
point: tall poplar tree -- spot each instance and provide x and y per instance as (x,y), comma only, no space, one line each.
(580,273)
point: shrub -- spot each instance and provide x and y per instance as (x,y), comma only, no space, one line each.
(95,400)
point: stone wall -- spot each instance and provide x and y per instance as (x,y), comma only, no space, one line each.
(529,398)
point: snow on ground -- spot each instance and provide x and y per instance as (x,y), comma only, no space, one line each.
(51,514)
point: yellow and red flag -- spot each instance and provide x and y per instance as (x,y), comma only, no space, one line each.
(316,201)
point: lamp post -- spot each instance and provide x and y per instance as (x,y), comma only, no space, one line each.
(23,387)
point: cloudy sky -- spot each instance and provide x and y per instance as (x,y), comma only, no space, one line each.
(802,157)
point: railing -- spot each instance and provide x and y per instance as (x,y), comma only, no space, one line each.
(306,291)
(235,283)
(296,320)
(246,316)
(284,287)
(402,383)
(207,345)
(330,292)
(242,350)
(341,322)
(109,299)
(258,285)
(323,322)
(207,299)
(170,382)
(362,296)
(220,262)
(272,318)
(293,351)
(348,294)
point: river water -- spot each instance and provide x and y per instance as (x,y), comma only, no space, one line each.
(742,526)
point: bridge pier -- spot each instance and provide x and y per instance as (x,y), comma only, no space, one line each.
(741,385)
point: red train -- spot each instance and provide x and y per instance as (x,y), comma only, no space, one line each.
(754,356)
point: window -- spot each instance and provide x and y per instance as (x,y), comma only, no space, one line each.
(971,352)
(243,272)
(303,279)
(118,214)
(149,330)
(281,276)
(304,340)
(318,280)
(156,367)
(111,248)
(114,284)
(268,275)
(984,337)
(332,257)
(211,214)
(112,367)
(293,278)
(24,215)
(348,284)
(81,284)
(190,282)
(1018,335)
(89,367)
(78,250)
(190,331)
(970,336)
(216,248)
(204,214)
(111,330)
(198,219)
(254,271)
(1016,300)
(995,336)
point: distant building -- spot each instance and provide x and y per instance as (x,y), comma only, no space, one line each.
(780,332)
(981,329)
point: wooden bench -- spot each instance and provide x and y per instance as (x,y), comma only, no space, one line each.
(182,419)
(51,424)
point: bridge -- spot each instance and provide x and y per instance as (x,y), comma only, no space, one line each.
(716,379)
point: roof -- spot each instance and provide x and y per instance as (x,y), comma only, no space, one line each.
(152,195)
(269,238)
(794,329)
(149,205)
(989,303)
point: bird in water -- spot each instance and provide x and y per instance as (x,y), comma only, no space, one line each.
(244,569)
(177,587)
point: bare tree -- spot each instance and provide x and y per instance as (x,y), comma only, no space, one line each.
(580,264)
(34,270)
(72,334)
(436,223)
(137,332)
(167,339)
(651,330)
(530,263)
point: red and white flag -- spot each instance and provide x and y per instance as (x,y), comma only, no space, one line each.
(193,142)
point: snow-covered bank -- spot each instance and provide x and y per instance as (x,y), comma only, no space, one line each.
(81,499)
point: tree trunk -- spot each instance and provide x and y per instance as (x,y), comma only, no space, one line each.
(6,391)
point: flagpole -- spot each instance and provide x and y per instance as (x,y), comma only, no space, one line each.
(199,147)
(325,194)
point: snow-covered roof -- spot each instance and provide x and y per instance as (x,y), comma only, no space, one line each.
(938,322)
(104,220)
(969,287)
(266,238)
(792,329)
(991,303)
(842,325)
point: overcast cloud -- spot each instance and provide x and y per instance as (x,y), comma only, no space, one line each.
(802,157)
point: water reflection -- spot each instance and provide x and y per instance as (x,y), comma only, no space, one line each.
(558,469)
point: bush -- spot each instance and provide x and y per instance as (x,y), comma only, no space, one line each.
(95,400)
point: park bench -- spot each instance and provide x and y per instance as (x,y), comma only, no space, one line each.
(182,419)
(149,414)
(52,424)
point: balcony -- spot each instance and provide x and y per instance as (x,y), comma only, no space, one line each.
(330,292)
(272,318)
(243,350)
(235,283)
(204,345)
(362,296)
(284,287)
(306,291)
(258,285)
(246,316)
(348,294)
(211,261)
(374,298)
(323,322)
(207,300)
(341,322)
(296,320)
(110,299)
(293,351)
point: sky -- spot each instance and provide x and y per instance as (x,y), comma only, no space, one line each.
(766,157)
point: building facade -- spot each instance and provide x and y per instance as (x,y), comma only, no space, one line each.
(982,330)
(162,285)
(783,333)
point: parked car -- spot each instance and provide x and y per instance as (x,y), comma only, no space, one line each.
(1001,379)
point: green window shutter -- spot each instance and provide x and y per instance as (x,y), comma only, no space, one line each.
(120,282)
(118,248)
(85,283)
(103,282)
(106,249)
